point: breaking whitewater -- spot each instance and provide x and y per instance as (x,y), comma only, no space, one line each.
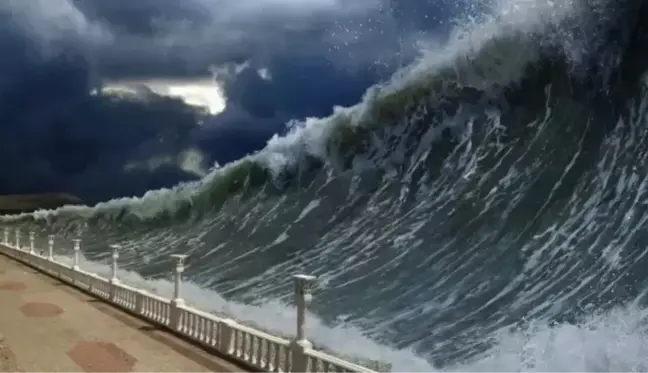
(485,209)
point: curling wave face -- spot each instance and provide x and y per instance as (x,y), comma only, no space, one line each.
(482,210)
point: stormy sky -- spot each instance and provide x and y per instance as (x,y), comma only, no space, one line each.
(274,60)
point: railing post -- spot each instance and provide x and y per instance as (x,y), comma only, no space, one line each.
(32,238)
(77,252)
(177,302)
(6,237)
(18,238)
(114,280)
(50,247)
(300,344)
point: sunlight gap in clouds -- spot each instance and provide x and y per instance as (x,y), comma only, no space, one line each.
(203,92)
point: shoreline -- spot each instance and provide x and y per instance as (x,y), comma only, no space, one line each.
(25,203)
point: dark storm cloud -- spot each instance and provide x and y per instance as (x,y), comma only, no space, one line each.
(168,37)
(54,136)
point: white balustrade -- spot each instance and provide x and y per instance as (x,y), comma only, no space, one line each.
(244,344)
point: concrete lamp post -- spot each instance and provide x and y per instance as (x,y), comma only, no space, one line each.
(177,302)
(50,247)
(115,258)
(77,253)
(303,296)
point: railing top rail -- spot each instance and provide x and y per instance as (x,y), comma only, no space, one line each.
(91,274)
(337,361)
(143,292)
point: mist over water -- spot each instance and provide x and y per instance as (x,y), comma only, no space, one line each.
(484,209)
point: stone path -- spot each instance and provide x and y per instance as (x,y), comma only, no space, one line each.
(46,325)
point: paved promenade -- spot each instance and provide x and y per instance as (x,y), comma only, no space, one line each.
(48,326)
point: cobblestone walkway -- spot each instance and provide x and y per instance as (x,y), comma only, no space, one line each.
(47,326)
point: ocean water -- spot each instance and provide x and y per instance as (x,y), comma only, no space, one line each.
(485,209)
